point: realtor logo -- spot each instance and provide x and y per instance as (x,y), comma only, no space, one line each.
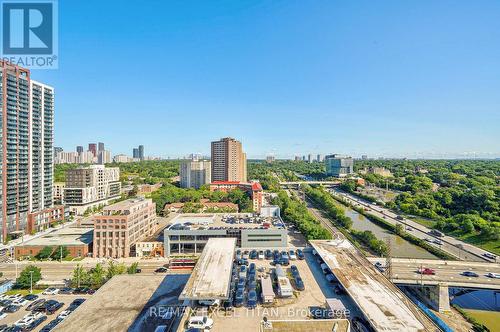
(29,33)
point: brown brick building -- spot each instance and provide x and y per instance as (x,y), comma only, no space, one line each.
(121,225)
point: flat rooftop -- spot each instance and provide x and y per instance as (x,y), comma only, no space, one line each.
(341,325)
(68,236)
(126,204)
(224,221)
(211,275)
(125,303)
(383,304)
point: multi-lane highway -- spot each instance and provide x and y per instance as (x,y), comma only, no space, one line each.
(405,271)
(457,248)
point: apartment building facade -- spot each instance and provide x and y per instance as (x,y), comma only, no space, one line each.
(195,173)
(229,162)
(27,120)
(89,187)
(122,225)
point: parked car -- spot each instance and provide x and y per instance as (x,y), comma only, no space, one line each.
(51,306)
(227,305)
(470,274)
(209,303)
(261,255)
(64,314)
(299,284)
(35,304)
(11,308)
(426,271)
(330,277)
(50,326)
(31,297)
(268,254)
(66,291)
(253,254)
(239,298)
(252,299)
(36,322)
(292,255)
(295,271)
(300,254)
(51,291)
(243,261)
(200,322)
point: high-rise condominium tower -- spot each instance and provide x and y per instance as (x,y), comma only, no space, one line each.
(229,162)
(27,118)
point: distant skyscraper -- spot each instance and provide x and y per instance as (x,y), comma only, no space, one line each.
(141,152)
(93,149)
(229,162)
(79,149)
(27,115)
(135,153)
(364,157)
(100,146)
(309,158)
(319,158)
(339,166)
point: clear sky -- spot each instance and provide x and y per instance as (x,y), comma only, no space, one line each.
(417,78)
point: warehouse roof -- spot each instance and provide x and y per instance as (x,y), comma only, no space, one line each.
(211,276)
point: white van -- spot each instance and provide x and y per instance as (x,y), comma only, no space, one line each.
(200,322)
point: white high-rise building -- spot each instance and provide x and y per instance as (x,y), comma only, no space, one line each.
(27,114)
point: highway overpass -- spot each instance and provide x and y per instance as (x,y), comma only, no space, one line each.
(405,271)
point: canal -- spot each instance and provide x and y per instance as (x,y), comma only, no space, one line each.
(400,248)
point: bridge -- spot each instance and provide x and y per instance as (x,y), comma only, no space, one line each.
(297,183)
(405,271)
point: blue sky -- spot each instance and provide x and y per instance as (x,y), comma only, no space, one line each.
(384,78)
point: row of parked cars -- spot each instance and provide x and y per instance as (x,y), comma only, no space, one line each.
(242,256)
(39,309)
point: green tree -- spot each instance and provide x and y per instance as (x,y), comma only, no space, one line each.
(399,229)
(80,276)
(60,252)
(115,269)
(45,252)
(132,269)
(25,278)
(97,275)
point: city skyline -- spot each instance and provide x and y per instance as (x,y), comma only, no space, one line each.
(324,77)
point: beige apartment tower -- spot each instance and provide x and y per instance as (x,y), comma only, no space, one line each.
(195,173)
(229,162)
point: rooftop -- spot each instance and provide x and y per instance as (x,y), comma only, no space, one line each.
(126,204)
(340,325)
(211,276)
(202,221)
(125,303)
(68,236)
(383,304)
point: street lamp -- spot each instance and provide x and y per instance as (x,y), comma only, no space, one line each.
(31,282)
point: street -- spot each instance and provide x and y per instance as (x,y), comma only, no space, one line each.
(457,248)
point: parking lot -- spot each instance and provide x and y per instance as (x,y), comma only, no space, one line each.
(65,299)
(317,290)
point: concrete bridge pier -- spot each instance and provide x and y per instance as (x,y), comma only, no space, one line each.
(436,296)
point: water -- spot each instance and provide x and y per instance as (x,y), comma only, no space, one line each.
(483,299)
(400,248)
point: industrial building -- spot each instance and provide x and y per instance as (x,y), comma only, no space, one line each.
(189,233)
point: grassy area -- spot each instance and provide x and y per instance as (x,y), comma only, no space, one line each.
(477,240)
(423,221)
(23,291)
(490,319)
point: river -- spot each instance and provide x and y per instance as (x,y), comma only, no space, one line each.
(400,248)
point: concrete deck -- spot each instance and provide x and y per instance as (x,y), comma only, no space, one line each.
(382,303)
(211,276)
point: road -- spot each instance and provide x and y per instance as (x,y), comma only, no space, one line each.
(457,248)
(448,272)
(57,271)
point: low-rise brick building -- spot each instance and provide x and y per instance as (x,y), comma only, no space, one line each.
(123,224)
